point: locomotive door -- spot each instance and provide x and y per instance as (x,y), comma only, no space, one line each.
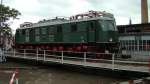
(31,35)
(91,32)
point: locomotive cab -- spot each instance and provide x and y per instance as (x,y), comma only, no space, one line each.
(108,35)
(108,31)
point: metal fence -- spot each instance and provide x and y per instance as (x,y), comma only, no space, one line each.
(100,60)
(2,56)
(138,49)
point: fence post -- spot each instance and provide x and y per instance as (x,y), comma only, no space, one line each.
(84,58)
(113,61)
(44,55)
(3,52)
(62,57)
(149,65)
(3,55)
(36,54)
(24,53)
(16,80)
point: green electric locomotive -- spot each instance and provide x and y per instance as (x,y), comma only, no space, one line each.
(92,31)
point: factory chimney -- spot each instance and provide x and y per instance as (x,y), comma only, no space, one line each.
(144,11)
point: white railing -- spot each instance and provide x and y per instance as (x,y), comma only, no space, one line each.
(2,56)
(102,60)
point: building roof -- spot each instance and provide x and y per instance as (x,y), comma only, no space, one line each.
(134,25)
(133,28)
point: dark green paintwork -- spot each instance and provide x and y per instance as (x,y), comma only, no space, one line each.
(83,34)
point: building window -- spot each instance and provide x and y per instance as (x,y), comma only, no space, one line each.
(73,28)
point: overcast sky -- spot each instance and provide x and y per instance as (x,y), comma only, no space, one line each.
(35,10)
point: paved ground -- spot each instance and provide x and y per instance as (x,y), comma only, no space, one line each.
(33,75)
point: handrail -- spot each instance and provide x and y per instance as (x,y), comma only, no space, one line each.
(52,55)
(65,51)
(85,58)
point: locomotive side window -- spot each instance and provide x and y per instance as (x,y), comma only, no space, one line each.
(37,31)
(44,31)
(27,39)
(51,30)
(107,25)
(59,29)
(73,28)
(37,38)
(27,31)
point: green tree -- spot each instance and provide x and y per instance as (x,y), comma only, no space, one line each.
(7,13)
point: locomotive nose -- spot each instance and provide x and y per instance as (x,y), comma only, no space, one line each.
(112,36)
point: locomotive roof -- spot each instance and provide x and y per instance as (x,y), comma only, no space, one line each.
(64,22)
(89,16)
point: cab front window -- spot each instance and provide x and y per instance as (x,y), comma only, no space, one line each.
(107,25)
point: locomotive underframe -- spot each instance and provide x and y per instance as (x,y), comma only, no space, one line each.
(75,47)
(92,47)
